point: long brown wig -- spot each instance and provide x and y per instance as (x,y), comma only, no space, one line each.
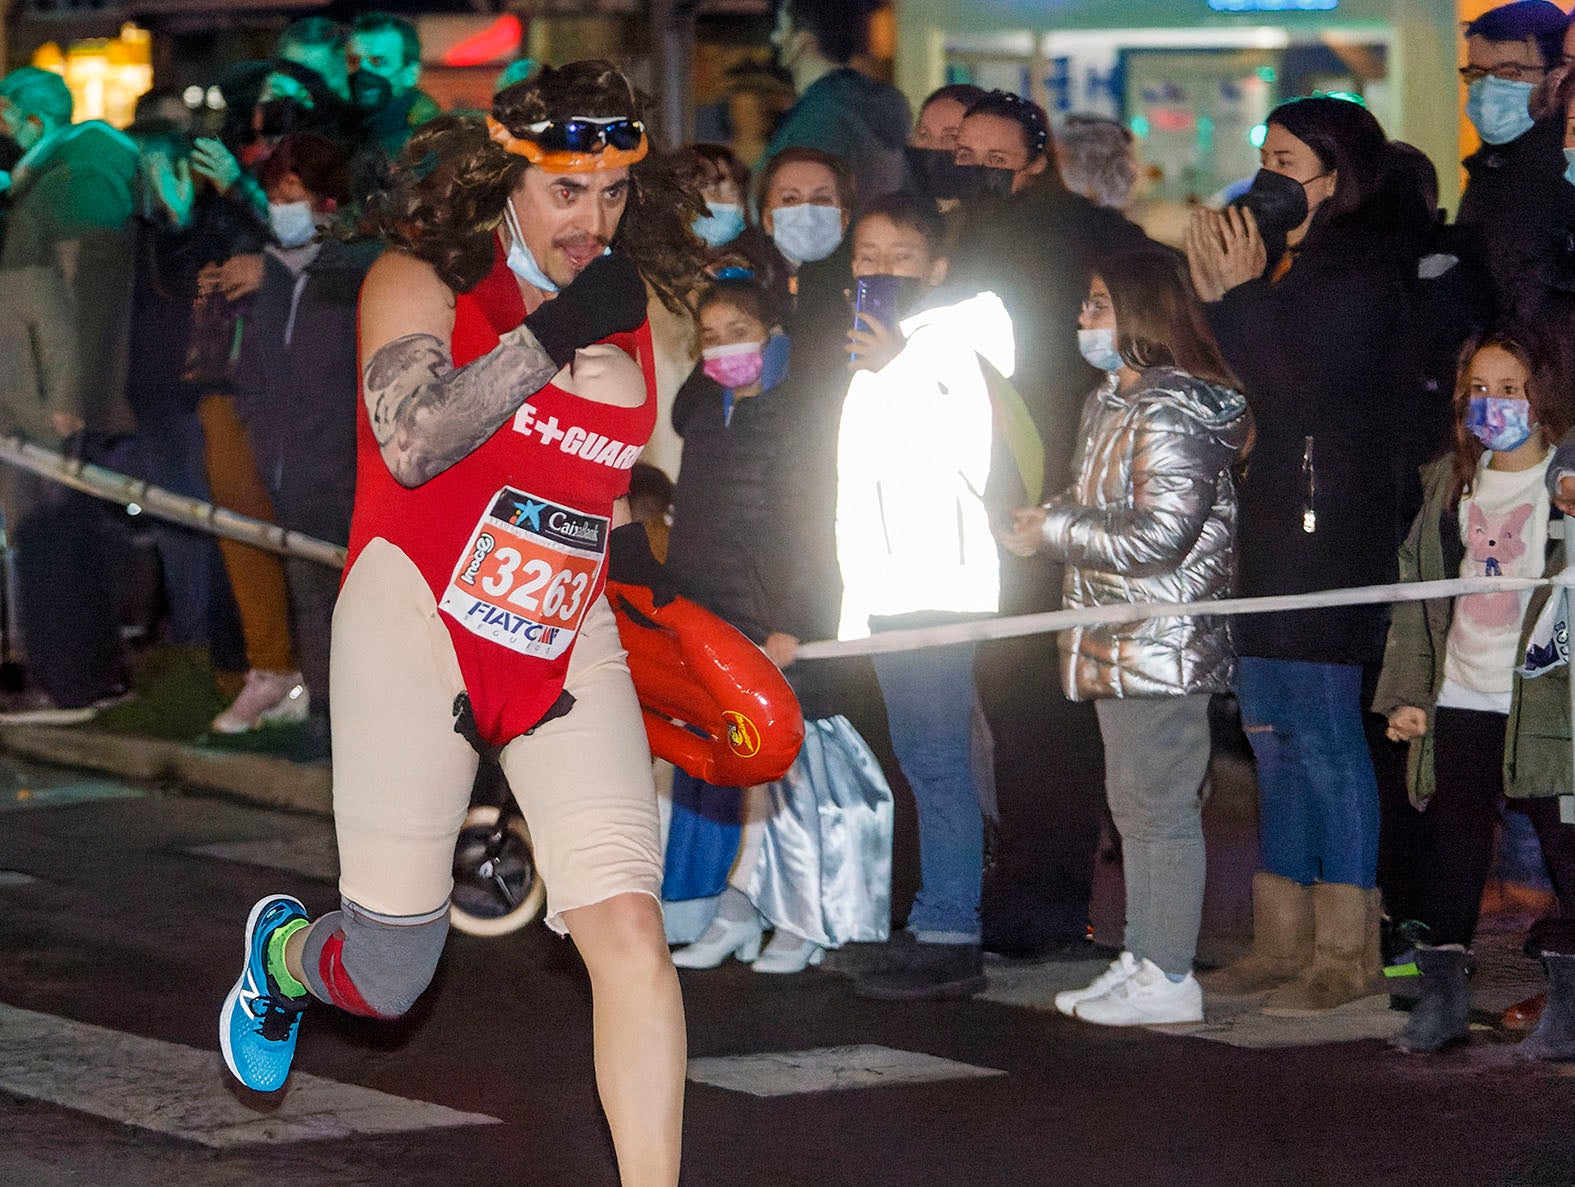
(445,199)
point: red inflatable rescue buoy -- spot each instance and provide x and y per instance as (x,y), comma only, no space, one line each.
(692,671)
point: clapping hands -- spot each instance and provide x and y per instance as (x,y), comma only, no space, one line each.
(1224,249)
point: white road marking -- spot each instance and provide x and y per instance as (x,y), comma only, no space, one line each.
(9,878)
(828,1069)
(182,1091)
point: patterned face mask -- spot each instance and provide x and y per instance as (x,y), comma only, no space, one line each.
(737,365)
(1500,423)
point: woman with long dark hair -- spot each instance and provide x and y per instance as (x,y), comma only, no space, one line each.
(1150,517)
(1306,291)
(507,388)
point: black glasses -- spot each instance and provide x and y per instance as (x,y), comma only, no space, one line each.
(1508,71)
(583,133)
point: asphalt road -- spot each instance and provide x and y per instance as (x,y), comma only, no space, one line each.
(119,940)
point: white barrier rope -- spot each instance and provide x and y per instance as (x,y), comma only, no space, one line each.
(162,504)
(1060,620)
(194,513)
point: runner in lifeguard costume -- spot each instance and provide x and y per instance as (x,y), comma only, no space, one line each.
(507,389)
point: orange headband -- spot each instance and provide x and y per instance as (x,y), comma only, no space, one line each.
(567,162)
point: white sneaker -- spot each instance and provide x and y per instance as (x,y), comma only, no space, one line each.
(1146,998)
(1120,969)
(263,692)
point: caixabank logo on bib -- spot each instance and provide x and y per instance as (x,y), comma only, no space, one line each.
(528,573)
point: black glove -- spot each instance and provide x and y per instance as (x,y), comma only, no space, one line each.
(631,562)
(607,298)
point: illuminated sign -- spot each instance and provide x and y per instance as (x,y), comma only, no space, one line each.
(1273,5)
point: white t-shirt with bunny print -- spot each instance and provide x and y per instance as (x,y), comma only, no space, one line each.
(1504,526)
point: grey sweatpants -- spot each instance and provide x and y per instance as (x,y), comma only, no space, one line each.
(1156,758)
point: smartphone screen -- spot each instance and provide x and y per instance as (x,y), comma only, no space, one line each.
(876,296)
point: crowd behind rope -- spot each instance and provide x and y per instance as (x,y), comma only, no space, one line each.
(915,372)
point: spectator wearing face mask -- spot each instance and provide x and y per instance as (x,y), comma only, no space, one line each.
(914,549)
(932,144)
(751,542)
(297,387)
(723,180)
(1311,326)
(806,200)
(1033,242)
(1514,187)
(384,56)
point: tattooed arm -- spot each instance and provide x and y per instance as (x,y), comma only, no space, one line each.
(426,413)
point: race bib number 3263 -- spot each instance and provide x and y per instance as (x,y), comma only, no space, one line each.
(525,580)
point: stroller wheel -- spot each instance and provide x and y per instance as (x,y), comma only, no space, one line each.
(496,887)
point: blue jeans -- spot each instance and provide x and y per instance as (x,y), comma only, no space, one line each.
(169,454)
(1317,796)
(929,698)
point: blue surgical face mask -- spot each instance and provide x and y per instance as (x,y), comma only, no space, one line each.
(806,233)
(1099,348)
(722,223)
(521,262)
(293,223)
(1500,423)
(1569,165)
(1499,109)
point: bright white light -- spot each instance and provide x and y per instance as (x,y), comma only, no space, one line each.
(192,96)
(133,508)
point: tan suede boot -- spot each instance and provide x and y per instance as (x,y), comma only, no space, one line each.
(1282,939)
(1346,964)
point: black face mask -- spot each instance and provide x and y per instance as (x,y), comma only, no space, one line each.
(370,92)
(1279,204)
(280,117)
(934,172)
(982,181)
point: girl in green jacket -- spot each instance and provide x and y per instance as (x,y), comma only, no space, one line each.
(1450,687)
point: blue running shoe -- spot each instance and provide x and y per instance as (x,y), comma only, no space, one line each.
(258,1023)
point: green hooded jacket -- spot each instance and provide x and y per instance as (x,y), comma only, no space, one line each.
(1537,737)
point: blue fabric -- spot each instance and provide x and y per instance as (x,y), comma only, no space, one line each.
(929,698)
(1317,796)
(702,838)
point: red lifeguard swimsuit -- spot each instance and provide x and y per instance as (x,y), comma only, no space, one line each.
(512,539)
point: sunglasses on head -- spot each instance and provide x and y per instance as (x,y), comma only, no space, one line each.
(583,133)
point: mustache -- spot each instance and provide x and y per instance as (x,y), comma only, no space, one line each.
(578,241)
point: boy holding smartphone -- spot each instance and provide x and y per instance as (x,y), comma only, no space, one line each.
(915,549)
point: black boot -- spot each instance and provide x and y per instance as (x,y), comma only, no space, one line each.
(1442,1014)
(1554,1037)
(929,971)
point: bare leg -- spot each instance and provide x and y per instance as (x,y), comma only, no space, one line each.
(641,1045)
